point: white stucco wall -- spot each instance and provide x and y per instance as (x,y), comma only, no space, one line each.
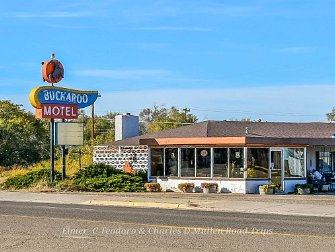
(233,186)
(252,185)
(289,185)
(227,186)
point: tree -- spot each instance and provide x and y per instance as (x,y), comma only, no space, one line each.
(23,138)
(104,128)
(331,115)
(159,118)
(148,115)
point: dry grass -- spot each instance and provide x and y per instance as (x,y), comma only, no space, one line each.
(72,166)
(41,186)
(12,173)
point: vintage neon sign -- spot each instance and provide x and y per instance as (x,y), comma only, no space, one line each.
(60,95)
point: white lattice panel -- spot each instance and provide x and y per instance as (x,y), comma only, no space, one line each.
(116,156)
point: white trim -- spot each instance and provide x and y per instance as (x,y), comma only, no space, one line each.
(228,162)
(245,162)
(195,162)
(305,157)
(164,163)
(282,170)
(149,164)
(269,165)
(179,162)
(212,161)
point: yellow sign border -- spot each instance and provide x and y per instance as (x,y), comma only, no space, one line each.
(33,96)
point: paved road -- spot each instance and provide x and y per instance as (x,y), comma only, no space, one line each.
(60,227)
(298,205)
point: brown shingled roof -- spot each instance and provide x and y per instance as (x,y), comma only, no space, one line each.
(271,129)
(315,130)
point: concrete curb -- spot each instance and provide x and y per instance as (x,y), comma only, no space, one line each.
(136,204)
(312,205)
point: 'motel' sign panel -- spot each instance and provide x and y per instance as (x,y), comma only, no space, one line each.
(69,111)
(62,100)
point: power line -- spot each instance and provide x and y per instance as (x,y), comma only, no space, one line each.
(235,111)
(252,112)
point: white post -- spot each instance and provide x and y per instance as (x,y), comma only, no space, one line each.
(305,162)
(212,162)
(179,162)
(195,162)
(228,161)
(149,162)
(164,173)
(245,162)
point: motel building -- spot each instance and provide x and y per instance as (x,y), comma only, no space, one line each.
(238,156)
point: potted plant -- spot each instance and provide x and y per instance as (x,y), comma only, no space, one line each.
(186,187)
(209,187)
(251,173)
(265,189)
(303,188)
(152,187)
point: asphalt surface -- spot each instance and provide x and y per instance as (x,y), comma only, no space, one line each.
(31,226)
(298,205)
(301,225)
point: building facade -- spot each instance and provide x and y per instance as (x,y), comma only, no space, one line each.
(238,156)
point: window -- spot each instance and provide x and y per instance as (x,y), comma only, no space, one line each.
(258,162)
(220,162)
(171,161)
(294,162)
(203,162)
(236,162)
(187,168)
(324,161)
(157,165)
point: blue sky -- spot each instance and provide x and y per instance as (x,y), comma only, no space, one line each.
(264,59)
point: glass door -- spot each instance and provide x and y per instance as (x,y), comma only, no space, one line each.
(276,168)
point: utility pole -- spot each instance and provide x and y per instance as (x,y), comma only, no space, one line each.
(92,136)
(186,110)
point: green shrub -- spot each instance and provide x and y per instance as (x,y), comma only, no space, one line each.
(303,186)
(95,171)
(104,178)
(143,175)
(29,179)
(96,178)
(114,183)
(68,185)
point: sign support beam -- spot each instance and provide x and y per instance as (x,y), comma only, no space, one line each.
(63,160)
(52,148)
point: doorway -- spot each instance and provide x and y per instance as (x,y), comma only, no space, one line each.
(276,166)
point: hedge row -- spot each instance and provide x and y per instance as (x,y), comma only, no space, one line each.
(30,179)
(96,178)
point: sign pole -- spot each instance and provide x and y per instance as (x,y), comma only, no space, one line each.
(63,159)
(52,147)
(63,162)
